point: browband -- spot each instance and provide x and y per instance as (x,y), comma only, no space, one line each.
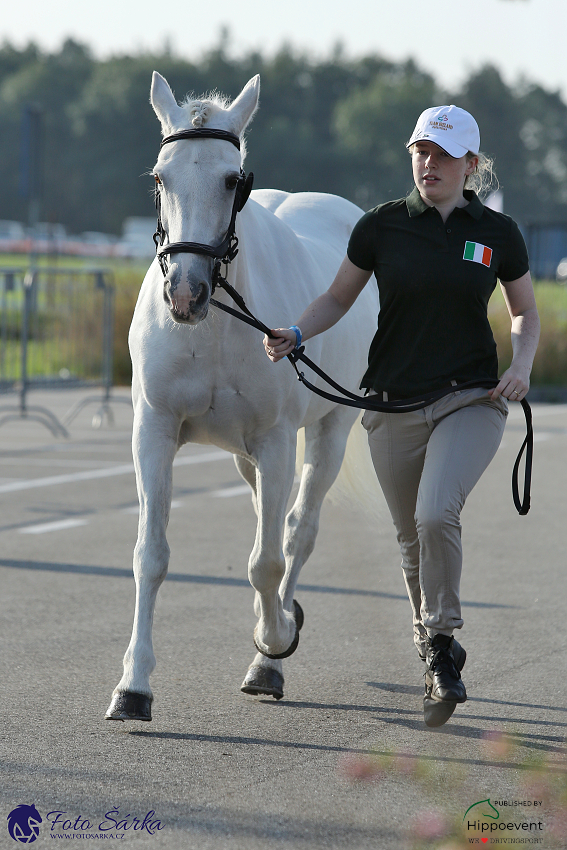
(204,133)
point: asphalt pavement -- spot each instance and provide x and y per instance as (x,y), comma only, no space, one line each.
(344,760)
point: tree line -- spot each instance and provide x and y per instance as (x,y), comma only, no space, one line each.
(333,125)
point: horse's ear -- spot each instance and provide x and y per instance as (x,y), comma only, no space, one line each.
(243,108)
(164,104)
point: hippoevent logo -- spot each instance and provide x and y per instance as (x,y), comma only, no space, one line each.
(501,822)
(24,821)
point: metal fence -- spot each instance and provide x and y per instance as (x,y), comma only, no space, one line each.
(56,331)
(547,246)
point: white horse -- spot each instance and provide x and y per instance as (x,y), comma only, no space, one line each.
(217,386)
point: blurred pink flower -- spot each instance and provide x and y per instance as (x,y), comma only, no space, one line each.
(497,745)
(430,824)
(558,827)
(359,768)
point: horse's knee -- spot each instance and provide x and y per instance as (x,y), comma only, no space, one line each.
(265,573)
(151,566)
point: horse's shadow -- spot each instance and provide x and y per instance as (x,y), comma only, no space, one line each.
(410,719)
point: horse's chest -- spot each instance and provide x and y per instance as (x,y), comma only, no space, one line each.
(231,421)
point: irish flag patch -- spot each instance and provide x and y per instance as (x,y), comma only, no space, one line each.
(477,253)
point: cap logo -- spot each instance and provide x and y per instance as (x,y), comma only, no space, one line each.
(439,125)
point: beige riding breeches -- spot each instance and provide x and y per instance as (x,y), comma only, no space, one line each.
(427,462)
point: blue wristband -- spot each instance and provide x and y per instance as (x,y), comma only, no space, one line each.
(298,336)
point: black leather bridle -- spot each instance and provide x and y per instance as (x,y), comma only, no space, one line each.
(228,248)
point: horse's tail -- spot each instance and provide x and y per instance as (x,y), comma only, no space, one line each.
(356,484)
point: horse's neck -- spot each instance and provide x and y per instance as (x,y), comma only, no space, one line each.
(259,233)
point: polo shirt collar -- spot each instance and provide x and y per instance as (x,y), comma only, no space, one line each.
(416,205)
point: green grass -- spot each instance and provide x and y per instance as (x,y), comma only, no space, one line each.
(550,364)
(65,331)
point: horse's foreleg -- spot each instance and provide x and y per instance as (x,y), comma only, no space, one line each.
(154,448)
(276,631)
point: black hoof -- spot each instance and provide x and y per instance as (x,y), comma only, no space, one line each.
(298,614)
(263,680)
(436,713)
(299,619)
(129,706)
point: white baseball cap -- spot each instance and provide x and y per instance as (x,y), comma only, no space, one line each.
(450,127)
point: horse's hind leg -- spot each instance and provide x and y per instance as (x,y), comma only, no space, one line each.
(248,472)
(154,447)
(325,443)
(276,633)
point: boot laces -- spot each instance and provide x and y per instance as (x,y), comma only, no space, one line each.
(443,662)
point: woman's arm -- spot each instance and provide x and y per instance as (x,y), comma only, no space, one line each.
(322,313)
(520,300)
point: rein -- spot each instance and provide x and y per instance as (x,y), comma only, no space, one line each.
(406,405)
(227,251)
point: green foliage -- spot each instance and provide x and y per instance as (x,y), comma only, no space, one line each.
(526,132)
(373,122)
(333,125)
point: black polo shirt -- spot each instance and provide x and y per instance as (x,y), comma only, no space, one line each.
(435,279)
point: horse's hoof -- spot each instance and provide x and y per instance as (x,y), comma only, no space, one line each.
(129,706)
(263,680)
(299,619)
(298,614)
(436,713)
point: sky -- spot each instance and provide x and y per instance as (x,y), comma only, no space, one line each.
(523,38)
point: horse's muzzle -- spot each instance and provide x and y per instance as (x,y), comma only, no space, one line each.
(188,300)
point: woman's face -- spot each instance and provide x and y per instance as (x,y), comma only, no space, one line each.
(440,178)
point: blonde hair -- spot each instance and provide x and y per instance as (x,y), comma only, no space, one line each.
(483,180)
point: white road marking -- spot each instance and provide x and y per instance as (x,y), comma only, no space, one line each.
(135,509)
(89,475)
(227,492)
(58,525)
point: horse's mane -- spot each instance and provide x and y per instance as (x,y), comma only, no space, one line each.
(200,110)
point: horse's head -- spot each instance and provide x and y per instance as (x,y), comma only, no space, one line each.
(197,179)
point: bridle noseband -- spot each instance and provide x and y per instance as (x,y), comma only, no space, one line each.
(228,248)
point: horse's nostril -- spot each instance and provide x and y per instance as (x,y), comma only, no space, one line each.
(202,295)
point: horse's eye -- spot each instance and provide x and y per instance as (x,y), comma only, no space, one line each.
(156,178)
(231,182)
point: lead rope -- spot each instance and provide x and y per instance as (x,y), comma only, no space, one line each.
(400,406)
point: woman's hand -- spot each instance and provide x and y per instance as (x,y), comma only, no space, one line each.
(514,384)
(281,345)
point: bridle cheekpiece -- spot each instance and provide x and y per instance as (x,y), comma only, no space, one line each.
(228,248)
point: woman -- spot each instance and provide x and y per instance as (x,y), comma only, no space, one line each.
(436,255)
